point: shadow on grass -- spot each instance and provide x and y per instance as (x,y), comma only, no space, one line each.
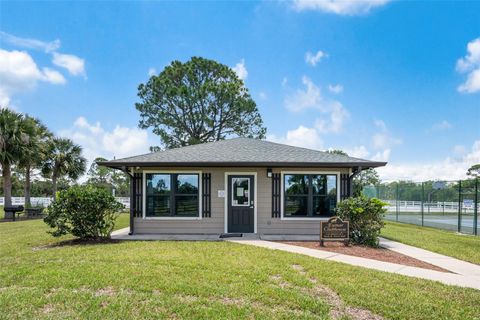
(76,242)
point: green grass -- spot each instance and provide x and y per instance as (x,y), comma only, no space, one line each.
(204,280)
(464,247)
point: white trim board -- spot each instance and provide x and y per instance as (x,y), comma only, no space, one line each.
(282,192)
(225,211)
(144,196)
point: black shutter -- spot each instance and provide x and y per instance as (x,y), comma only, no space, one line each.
(206,195)
(137,195)
(276,192)
(344,186)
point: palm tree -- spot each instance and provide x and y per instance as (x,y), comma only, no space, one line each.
(64,158)
(35,153)
(15,135)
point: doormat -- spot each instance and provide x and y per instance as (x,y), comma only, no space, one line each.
(231,235)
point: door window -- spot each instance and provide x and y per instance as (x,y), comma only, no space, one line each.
(240,191)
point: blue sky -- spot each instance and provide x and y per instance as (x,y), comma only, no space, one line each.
(385,80)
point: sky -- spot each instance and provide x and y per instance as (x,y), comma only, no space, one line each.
(395,81)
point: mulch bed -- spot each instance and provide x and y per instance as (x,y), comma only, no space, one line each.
(380,254)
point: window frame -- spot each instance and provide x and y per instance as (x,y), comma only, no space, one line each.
(171,172)
(282,193)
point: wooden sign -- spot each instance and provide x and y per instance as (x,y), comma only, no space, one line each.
(334,229)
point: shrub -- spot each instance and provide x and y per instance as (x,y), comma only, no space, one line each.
(366,219)
(86,212)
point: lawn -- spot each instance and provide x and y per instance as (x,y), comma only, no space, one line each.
(463,247)
(204,280)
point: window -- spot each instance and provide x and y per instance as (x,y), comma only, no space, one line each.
(309,195)
(241,192)
(171,195)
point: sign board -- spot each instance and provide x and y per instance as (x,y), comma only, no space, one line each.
(334,229)
(221,193)
(468,203)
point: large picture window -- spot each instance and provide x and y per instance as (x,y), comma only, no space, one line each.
(309,195)
(171,195)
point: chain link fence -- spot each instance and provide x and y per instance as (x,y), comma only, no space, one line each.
(448,205)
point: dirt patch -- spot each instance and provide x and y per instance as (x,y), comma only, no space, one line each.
(380,254)
(48,308)
(108,291)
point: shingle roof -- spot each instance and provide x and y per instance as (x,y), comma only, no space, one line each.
(242,152)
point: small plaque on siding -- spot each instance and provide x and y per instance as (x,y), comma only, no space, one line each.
(221,193)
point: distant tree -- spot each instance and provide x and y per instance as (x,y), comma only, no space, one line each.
(15,134)
(337,151)
(108,178)
(198,101)
(34,155)
(64,159)
(364,178)
(474,171)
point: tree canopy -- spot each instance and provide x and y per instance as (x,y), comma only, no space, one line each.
(198,101)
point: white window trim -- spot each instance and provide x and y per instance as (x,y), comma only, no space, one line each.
(282,191)
(254,174)
(144,197)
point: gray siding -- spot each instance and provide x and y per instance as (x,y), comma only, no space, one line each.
(216,223)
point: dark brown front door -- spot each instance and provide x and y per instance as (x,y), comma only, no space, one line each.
(241,203)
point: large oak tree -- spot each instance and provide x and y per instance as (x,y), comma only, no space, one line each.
(198,101)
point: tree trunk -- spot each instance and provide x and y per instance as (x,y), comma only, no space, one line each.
(27,187)
(7,185)
(54,186)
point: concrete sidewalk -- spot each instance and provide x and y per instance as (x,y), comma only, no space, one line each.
(468,281)
(439,260)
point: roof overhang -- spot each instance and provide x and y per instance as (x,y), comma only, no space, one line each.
(360,165)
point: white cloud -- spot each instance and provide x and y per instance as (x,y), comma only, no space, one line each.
(459,149)
(447,169)
(383,140)
(53,76)
(30,43)
(358,152)
(152,72)
(470,64)
(300,137)
(311,98)
(241,70)
(18,73)
(338,114)
(335,88)
(340,7)
(74,64)
(442,125)
(313,59)
(97,142)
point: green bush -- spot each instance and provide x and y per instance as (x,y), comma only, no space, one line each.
(86,212)
(366,219)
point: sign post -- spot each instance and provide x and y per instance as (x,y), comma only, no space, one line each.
(334,229)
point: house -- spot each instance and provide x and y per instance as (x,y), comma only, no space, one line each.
(239,185)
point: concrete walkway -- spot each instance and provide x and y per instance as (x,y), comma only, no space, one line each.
(468,281)
(445,262)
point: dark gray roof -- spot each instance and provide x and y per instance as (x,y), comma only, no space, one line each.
(242,152)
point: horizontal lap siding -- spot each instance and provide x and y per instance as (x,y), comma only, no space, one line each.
(216,223)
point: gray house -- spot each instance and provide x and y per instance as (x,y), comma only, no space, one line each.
(237,186)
